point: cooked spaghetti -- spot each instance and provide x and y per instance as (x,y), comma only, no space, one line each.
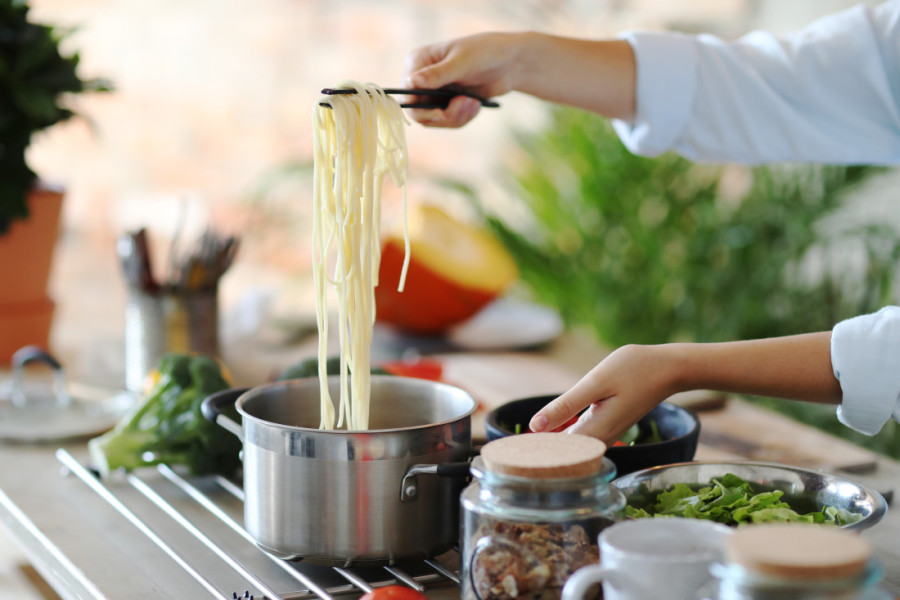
(357,141)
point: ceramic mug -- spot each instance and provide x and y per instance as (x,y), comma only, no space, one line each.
(649,559)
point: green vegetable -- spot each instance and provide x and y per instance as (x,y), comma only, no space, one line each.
(310,368)
(637,434)
(653,436)
(732,501)
(631,437)
(167,426)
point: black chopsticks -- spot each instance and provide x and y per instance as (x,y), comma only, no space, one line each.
(441,96)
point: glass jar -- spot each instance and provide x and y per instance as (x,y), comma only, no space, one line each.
(797,562)
(524,534)
(737,583)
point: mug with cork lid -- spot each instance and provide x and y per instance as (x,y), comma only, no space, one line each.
(532,514)
(798,562)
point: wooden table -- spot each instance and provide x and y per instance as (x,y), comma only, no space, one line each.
(86,549)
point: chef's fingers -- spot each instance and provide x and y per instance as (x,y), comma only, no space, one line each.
(433,67)
(607,421)
(568,405)
(459,111)
(444,71)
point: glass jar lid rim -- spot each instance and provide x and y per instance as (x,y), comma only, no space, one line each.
(871,575)
(606,473)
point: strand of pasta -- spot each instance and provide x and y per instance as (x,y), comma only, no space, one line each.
(357,142)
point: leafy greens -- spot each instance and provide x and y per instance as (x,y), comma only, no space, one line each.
(167,426)
(732,501)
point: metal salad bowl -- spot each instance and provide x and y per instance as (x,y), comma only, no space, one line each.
(805,490)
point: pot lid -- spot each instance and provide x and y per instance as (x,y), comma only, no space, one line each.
(42,409)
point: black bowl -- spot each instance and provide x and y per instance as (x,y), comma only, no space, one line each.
(678,427)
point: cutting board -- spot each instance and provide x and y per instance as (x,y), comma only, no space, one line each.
(731,429)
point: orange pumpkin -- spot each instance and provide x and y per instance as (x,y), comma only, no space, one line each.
(455,269)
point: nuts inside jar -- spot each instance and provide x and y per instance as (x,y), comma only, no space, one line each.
(525,561)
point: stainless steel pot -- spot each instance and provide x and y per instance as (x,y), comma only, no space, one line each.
(352,497)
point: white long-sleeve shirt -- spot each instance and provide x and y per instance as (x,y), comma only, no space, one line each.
(829,93)
(865,356)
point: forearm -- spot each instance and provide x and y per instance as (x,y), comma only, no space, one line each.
(795,367)
(594,75)
(633,379)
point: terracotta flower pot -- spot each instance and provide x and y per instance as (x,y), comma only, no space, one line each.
(26,250)
(26,257)
(24,324)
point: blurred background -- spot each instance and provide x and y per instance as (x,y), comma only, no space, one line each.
(209,124)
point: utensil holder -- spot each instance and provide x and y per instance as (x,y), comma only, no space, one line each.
(166,321)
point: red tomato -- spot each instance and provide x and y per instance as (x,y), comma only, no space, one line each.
(423,368)
(394,592)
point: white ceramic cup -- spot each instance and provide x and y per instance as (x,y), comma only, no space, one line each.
(652,559)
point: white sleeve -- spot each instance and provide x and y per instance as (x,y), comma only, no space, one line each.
(829,93)
(865,356)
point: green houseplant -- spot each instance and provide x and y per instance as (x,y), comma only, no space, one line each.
(37,81)
(651,250)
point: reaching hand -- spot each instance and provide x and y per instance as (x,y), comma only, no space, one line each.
(620,390)
(629,382)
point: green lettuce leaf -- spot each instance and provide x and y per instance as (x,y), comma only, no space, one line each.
(730,500)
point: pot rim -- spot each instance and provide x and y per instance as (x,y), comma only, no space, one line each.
(252,392)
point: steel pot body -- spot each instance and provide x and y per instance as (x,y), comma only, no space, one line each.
(334,497)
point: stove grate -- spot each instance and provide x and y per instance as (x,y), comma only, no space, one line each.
(199,506)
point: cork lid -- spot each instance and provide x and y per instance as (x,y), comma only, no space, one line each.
(544,455)
(798,551)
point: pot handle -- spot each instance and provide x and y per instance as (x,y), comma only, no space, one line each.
(409,487)
(212,409)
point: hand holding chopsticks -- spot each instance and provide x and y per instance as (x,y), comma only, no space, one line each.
(436,98)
